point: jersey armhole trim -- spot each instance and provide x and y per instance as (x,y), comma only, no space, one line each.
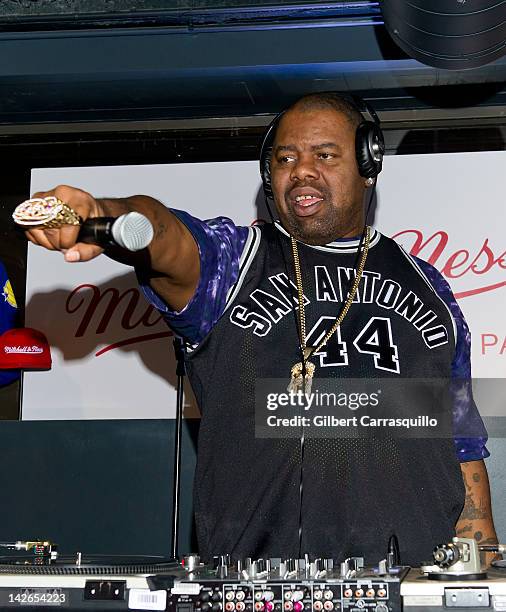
(422,274)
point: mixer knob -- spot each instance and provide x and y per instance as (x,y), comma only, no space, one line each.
(297,595)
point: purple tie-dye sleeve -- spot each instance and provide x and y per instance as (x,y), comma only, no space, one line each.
(469,431)
(220,244)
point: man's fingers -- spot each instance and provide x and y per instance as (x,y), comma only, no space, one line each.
(82,252)
(54,239)
(68,236)
(38,236)
(53,235)
(64,239)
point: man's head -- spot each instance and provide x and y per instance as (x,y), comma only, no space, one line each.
(317,188)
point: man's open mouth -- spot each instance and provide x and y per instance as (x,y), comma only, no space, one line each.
(305,205)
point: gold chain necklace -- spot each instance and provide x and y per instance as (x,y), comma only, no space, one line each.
(302,372)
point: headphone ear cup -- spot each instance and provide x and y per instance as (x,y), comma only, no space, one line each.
(265,172)
(369,149)
(266,156)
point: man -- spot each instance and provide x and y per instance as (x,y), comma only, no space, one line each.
(226,291)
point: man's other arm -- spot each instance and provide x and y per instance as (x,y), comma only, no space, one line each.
(172,258)
(476,518)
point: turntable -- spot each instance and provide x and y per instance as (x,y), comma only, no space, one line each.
(81,582)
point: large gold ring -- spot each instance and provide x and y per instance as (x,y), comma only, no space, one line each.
(46,212)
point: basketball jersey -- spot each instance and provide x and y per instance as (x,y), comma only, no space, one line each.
(356,492)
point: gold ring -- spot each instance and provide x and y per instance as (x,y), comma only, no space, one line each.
(47,212)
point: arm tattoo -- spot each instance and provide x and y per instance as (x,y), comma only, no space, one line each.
(161,230)
(461,531)
(472,512)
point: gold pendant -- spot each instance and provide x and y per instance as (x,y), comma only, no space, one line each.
(299,382)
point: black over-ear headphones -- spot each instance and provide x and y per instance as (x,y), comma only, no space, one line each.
(369,143)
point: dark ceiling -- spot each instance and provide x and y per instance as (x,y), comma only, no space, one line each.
(211,59)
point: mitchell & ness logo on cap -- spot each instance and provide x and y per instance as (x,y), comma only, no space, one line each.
(23,349)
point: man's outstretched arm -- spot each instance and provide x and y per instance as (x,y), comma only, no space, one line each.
(173,257)
(476,519)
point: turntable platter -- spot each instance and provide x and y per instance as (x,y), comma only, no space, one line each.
(84,564)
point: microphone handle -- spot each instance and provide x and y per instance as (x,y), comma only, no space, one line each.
(98,231)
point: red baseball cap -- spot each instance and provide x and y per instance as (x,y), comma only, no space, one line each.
(24,348)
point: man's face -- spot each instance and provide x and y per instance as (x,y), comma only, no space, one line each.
(317,188)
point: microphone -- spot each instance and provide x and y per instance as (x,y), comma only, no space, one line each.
(131,231)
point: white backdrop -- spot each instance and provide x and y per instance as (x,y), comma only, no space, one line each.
(112,357)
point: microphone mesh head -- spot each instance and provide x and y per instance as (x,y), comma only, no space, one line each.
(133,231)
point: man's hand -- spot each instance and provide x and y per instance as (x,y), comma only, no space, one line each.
(171,262)
(64,238)
(476,518)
